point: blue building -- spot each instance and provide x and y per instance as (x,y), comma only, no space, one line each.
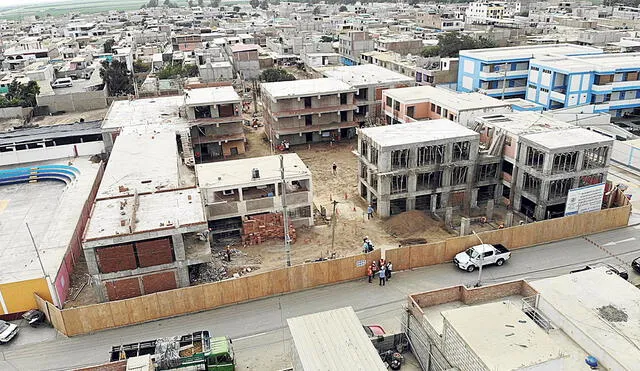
(503,72)
(607,83)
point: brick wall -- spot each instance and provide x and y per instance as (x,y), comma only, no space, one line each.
(123,289)
(154,252)
(159,282)
(116,258)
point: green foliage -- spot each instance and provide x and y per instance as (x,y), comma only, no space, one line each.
(343,8)
(141,66)
(326,39)
(108,45)
(276,74)
(20,95)
(214,3)
(152,4)
(200,3)
(316,10)
(117,78)
(264,5)
(172,71)
(169,4)
(190,3)
(254,3)
(450,44)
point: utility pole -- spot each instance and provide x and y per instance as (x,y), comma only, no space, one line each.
(504,79)
(333,224)
(52,287)
(254,93)
(287,240)
(479,283)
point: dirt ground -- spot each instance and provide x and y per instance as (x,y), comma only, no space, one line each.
(70,117)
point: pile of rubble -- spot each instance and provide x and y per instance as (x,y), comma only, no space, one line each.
(259,228)
(219,268)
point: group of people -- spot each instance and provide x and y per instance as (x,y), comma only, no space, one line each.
(382,269)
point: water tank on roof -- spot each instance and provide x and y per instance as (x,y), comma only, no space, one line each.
(255,173)
(591,362)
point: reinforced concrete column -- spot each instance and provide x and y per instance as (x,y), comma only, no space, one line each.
(465,226)
(92,262)
(434,202)
(474,197)
(178,247)
(411,203)
(489,212)
(182,274)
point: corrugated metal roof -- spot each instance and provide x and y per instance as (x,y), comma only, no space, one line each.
(333,340)
(50,132)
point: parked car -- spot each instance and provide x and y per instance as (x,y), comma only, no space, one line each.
(635,264)
(374,330)
(65,82)
(7,331)
(471,259)
(611,269)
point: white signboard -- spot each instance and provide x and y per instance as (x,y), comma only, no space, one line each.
(584,199)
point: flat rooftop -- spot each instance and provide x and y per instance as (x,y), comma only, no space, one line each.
(366,74)
(244,47)
(523,123)
(528,51)
(143,160)
(503,337)
(140,112)
(600,63)
(417,132)
(567,138)
(52,209)
(209,96)
(332,340)
(448,98)
(604,307)
(155,211)
(299,88)
(50,132)
(237,173)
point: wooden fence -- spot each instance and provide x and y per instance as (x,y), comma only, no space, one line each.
(514,238)
(91,318)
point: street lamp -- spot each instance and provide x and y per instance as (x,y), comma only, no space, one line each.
(479,283)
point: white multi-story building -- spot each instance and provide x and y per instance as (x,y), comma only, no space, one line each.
(484,12)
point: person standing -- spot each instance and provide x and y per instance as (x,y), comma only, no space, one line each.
(334,167)
(383,275)
(365,246)
(369,212)
(370,273)
(389,270)
(228,253)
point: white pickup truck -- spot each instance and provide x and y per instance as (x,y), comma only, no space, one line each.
(470,259)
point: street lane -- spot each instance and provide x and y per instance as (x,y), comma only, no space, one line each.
(259,327)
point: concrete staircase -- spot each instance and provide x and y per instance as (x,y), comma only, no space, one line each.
(187,148)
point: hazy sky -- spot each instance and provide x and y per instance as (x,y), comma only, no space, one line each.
(23,2)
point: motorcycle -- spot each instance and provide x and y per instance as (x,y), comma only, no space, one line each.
(34,317)
(392,359)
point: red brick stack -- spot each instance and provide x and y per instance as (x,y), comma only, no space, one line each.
(259,228)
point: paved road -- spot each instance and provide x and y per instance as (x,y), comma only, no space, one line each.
(262,340)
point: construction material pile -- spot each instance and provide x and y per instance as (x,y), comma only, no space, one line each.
(259,228)
(408,223)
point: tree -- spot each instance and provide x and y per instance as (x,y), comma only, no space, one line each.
(276,74)
(190,3)
(201,3)
(264,5)
(140,66)
(236,8)
(169,4)
(152,4)
(21,95)
(172,71)
(254,3)
(316,10)
(108,45)
(117,78)
(450,44)
(430,51)
(214,3)
(343,8)
(326,39)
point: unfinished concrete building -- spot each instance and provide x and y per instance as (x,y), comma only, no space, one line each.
(235,189)
(147,224)
(369,80)
(426,165)
(543,159)
(215,116)
(306,111)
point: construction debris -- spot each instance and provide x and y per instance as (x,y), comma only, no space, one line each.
(259,228)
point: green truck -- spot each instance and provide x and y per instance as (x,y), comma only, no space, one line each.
(196,351)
